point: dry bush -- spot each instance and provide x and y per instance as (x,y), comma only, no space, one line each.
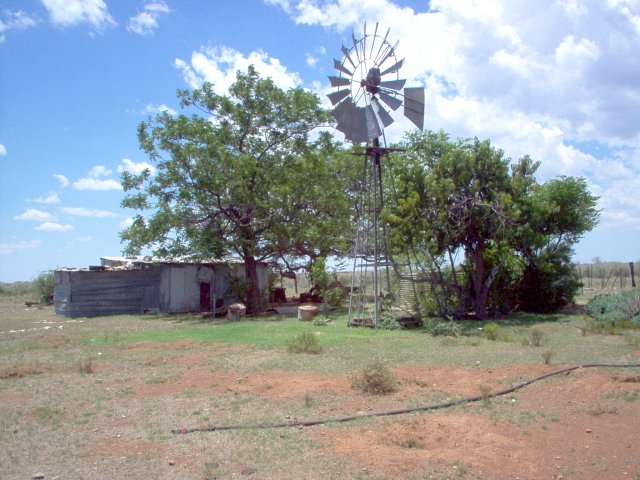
(306,342)
(375,379)
(536,336)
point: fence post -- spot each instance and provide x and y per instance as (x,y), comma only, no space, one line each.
(633,278)
(580,277)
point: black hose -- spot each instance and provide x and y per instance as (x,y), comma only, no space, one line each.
(387,413)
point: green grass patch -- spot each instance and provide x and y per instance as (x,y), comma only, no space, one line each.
(348,345)
(269,332)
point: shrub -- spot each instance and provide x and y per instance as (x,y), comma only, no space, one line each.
(448,329)
(85,366)
(44,285)
(630,304)
(411,442)
(616,308)
(306,342)
(375,379)
(536,336)
(492,331)
(549,281)
(485,391)
(387,321)
(334,296)
(321,322)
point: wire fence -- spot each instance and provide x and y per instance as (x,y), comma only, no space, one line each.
(606,277)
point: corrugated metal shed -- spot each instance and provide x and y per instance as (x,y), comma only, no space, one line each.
(83,293)
(147,287)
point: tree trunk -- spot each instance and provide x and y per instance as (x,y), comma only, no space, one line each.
(481,285)
(253,299)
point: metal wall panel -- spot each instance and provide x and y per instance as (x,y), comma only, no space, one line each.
(184,289)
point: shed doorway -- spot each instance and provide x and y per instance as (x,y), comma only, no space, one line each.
(205,297)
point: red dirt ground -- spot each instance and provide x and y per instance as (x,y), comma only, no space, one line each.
(582,425)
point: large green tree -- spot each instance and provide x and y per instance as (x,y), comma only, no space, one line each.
(239,175)
(558,213)
(464,199)
(466,196)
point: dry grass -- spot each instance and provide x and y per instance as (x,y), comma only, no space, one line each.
(79,399)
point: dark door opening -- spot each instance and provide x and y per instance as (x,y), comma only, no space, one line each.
(205,297)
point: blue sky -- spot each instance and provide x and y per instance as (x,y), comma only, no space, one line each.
(556,79)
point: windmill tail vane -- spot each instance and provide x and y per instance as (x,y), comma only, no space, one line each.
(368,74)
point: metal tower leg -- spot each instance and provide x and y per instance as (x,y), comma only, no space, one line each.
(370,254)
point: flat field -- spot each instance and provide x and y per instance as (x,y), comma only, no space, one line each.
(98,398)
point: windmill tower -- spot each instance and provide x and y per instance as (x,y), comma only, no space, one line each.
(368,88)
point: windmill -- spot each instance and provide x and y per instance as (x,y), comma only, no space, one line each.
(368,88)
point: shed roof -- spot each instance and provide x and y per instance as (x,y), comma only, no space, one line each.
(150,259)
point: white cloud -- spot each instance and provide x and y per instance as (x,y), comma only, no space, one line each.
(135,168)
(3,150)
(99,171)
(219,65)
(97,184)
(150,109)
(15,20)
(64,181)
(11,247)
(96,181)
(284,4)
(33,214)
(126,223)
(86,212)
(54,227)
(50,199)
(312,61)
(146,22)
(65,13)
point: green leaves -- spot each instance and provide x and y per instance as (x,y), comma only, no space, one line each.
(466,196)
(238,174)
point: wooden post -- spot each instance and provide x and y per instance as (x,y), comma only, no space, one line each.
(633,278)
(580,277)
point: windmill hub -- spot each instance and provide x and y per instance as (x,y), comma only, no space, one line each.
(372,81)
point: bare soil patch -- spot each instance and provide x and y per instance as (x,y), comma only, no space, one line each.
(582,425)
(579,426)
